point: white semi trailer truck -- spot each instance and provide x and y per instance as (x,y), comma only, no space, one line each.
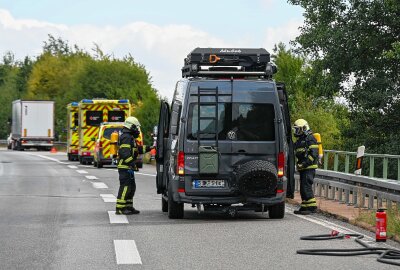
(32,125)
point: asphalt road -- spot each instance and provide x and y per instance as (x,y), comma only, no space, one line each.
(56,214)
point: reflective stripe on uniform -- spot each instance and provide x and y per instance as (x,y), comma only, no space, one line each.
(309,167)
(309,203)
(124,192)
(300,150)
(314,146)
(125,145)
(129,159)
(311,158)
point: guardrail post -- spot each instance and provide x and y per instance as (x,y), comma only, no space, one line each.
(380,204)
(385,167)
(355,197)
(347,196)
(336,162)
(398,169)
(340,194)
(326,159)
(326,191)
(370,201)
(346,163)
(371,166)
(319,190)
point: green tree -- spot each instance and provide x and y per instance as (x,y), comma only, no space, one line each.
(358,41)
(307,100)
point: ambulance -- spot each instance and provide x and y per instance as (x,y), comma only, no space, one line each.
(93,112)
(72,131)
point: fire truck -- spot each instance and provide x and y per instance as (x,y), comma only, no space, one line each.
(93,112)
(72,131)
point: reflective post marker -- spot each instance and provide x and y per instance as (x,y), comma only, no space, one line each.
(360,155)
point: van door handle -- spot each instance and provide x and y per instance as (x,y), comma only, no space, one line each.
(241,151)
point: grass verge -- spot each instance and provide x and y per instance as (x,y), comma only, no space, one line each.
(393,221)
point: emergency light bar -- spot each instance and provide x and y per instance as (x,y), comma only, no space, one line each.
(222,62)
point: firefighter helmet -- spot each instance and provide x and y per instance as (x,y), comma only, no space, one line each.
(300,127)
(130,121)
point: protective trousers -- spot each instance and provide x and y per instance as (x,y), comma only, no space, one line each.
(306,191)
(127,188)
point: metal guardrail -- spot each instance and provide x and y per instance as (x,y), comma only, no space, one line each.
(371,166)
(3,141)
(356,190)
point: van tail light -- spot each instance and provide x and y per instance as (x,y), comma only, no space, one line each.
(100,144)
(181,163)
(281,164)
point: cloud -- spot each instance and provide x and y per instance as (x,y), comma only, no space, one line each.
(284,33)
(160,48)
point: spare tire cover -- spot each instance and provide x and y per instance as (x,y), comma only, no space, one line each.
(257,178)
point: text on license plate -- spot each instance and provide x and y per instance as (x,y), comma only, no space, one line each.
(208,183)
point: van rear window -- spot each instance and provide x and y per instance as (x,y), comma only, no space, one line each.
(116,116)
(236,121)
(94,118)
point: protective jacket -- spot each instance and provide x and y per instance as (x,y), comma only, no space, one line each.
(128,151)
(306,149)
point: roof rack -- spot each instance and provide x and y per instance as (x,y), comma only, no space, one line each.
(233,62)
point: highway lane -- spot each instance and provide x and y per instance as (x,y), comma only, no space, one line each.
(57,214)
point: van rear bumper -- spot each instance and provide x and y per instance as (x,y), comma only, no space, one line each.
(183,198)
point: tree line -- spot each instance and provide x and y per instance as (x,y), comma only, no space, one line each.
(66,73)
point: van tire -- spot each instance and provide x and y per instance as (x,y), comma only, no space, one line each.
(175,210)
(164,205)
(277,211)
(257,178)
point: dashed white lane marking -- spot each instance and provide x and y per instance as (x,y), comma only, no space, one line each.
(91,177)
(108,198)
(126,252)
(117,219)
(99,185)
(81,171)
(146,174)
(73,166)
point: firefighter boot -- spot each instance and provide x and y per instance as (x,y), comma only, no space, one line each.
(126,211)
(133,210)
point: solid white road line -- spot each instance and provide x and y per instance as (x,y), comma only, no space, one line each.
(49,158)
(91,177)
(99,185)
(126,252)
(108,198)
(117,219)
(81,171)
(337,227)
(73,166)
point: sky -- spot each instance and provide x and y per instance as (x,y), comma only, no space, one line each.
(158,34)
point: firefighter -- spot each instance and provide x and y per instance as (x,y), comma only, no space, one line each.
(127,154)
(306,150)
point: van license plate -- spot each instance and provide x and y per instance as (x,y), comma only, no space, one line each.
(208,183)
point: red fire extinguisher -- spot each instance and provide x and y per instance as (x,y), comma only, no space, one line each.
(381,225)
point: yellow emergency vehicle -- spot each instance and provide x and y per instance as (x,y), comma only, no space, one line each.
(72,131)
(93,112)
(106,147)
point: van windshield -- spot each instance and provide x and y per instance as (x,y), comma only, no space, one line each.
(236,121)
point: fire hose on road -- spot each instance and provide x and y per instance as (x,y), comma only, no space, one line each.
(386,255)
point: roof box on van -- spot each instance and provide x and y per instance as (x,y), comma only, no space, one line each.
(217,62)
